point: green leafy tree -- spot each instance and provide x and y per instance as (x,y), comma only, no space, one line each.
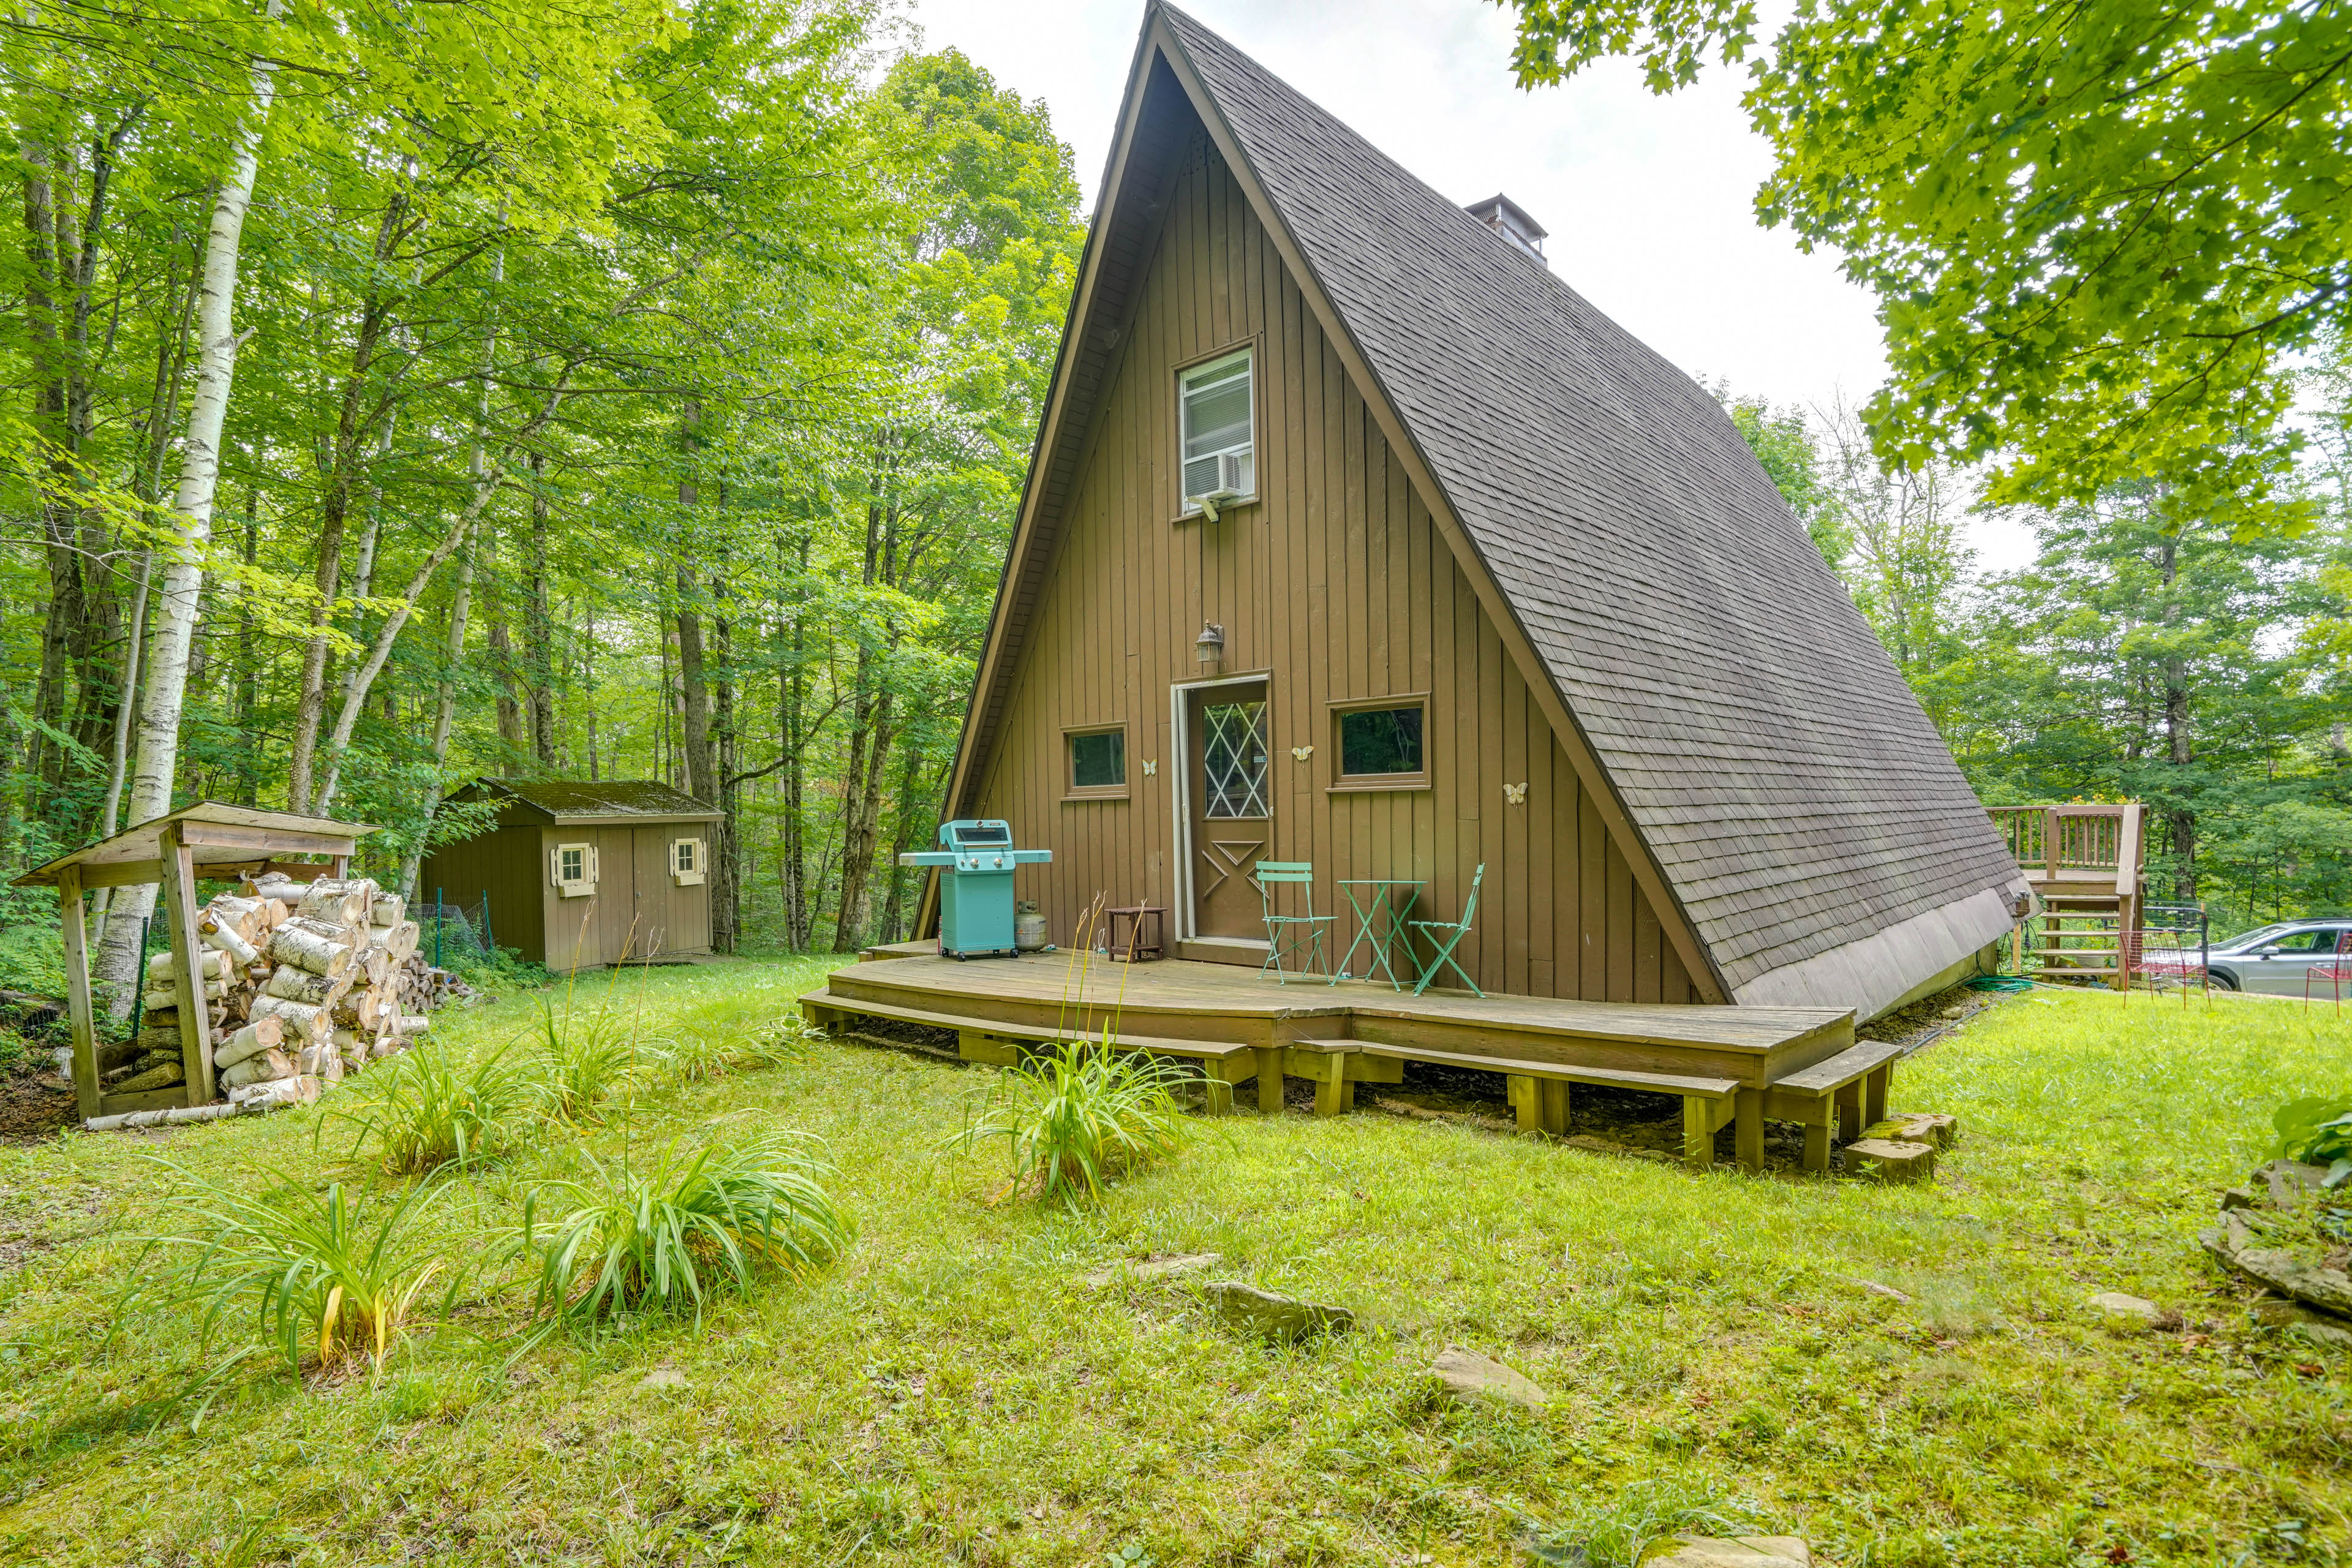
(2096,231)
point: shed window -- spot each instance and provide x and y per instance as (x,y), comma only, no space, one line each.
(572,868)
(1098,760)
(686,856)
(1381,742)
(1219,430)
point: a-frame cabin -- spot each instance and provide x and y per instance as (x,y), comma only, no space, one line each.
(1493,584)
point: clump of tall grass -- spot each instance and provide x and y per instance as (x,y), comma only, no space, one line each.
(586,1062)
(714,1041)
(1620,1533)
(318,1270)
(1078,1119)
(429,1107)
(669,1235)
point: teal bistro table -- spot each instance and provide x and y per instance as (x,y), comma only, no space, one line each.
(1379,923)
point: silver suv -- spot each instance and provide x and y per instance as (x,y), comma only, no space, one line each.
(2276,959)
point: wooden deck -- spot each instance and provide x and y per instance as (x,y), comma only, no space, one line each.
(1728,1065)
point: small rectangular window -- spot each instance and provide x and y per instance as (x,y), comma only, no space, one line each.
(1219,430)
(1098,759)
(1382,743)
(574,870)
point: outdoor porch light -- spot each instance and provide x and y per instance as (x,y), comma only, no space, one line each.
(1210,645)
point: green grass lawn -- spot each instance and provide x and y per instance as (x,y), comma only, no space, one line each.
(951,1390)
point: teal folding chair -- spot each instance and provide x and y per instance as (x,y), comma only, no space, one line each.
(1286,934)
(1445,935)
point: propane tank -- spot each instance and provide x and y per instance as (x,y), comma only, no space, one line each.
(1028,927)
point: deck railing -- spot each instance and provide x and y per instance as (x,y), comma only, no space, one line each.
(2053,841)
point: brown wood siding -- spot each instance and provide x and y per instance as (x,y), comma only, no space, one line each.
(1334,582)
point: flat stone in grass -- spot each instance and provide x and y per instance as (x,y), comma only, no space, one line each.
(663,1377)
(1282,1319)
(1472,1379)
(2298,1318)
(1146,1271)
(1728,1552)
(1926,1127)
(1891,1160)
(2124,1311)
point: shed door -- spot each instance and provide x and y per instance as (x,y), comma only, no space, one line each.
(1231,808)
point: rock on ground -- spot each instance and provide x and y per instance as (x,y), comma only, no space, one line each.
(2115,1304)
(1729,1551)
(1283,1319)
(1472,1379)
(1144,1271)
(1884,1160)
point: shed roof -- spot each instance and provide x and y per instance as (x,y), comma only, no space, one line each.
(608,801)
(1776,769)
(217,836)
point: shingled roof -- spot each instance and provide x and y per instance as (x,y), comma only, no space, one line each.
(570,800)
(1785,778)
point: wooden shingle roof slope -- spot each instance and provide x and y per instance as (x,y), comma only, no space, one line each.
(1784,790)
(579,802)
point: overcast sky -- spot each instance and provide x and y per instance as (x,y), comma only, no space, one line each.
(1649,201)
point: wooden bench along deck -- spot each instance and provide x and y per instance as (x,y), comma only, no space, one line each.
(999,1045)
(1729,1066)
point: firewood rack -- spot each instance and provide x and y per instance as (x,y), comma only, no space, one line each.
(208,838)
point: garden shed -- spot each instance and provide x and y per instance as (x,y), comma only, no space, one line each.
(579,875)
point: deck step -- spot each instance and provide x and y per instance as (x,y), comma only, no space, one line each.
(1846,1066)
(1210,1049)
(1607,1078)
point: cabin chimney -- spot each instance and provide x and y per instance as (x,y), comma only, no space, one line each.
(1510,220)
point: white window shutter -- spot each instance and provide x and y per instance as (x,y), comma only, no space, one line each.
(555,867)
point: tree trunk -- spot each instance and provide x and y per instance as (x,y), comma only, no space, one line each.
(2178,750)
(902,825)
(869,746)
(726,905)
(791,785)
(539,662)
(334,512)
(514,738)
(445,710)
(173,633)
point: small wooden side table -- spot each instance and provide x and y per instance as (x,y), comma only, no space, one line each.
(1143,943)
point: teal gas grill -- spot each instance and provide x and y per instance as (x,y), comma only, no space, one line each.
(976,860)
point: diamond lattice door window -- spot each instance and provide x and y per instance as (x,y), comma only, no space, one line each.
(1234,759)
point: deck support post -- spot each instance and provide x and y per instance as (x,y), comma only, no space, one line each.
(1699,1125)
(1848,1112)
(1874,1085)
(1520,1090)
(1817,1139)
(1269,1080)
(1750,1138)
(1225,1073)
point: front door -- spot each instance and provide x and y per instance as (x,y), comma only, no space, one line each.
(1232,792)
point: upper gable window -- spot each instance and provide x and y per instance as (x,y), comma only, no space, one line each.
(1219,429)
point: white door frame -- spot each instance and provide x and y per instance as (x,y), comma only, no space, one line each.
(1181,790)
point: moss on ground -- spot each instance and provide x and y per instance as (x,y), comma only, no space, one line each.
(952,1391)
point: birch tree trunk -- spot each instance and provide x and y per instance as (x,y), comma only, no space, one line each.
(174,633)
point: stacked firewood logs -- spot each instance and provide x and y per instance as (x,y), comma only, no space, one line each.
(302,984)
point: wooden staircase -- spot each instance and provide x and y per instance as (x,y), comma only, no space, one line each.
(2084,864)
